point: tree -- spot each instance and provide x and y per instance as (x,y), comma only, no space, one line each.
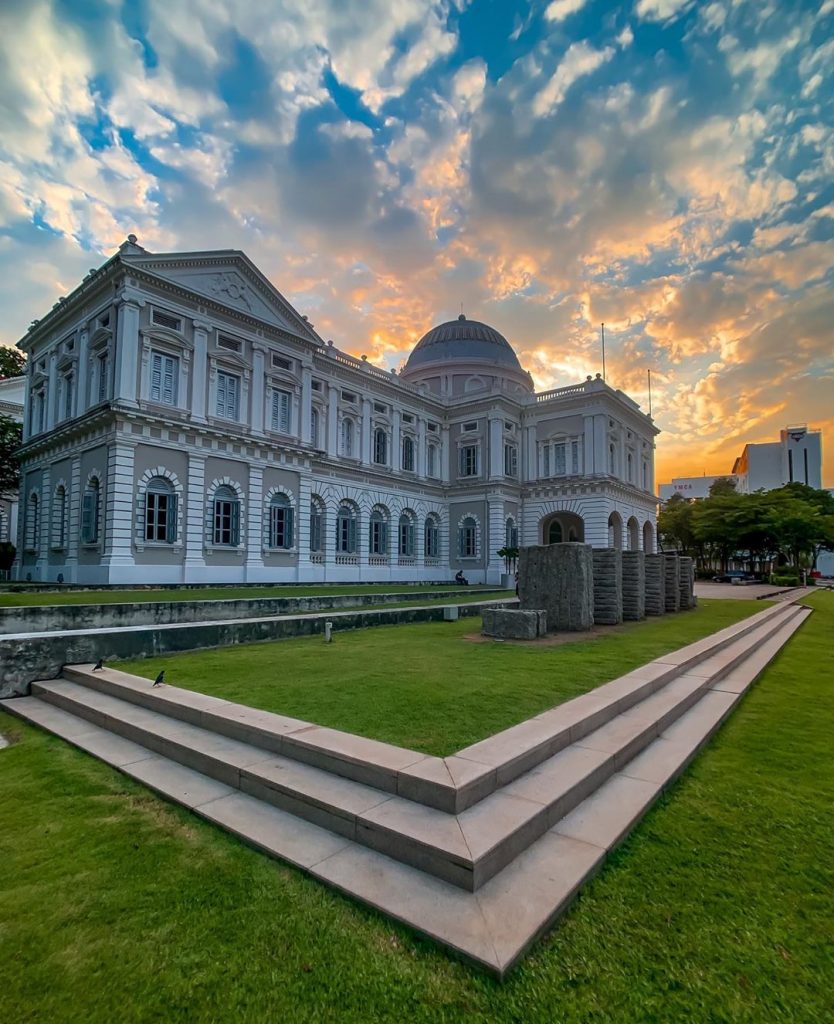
(12,362)
(11,437)
(675,524)
(722,486)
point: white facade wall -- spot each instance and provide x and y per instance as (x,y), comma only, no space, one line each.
(200,373)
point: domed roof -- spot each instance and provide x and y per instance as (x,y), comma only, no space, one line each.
(462,340)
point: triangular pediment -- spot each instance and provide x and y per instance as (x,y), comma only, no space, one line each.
(230,278)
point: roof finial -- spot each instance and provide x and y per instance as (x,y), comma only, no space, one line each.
(461,317)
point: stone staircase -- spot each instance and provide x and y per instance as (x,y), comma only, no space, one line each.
(480,850)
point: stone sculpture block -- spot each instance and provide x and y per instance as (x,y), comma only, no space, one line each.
(558,578)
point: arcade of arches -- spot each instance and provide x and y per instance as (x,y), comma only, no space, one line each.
(567,526)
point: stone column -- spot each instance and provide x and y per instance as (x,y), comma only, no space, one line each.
(333,421)
(655,585)
(421,448)
(82,371)
(396,453)
(118,511)
(42,541)
(127,352)
(608,586)
(195,512)
(365,440)
(199,377)
(496,448)
(687,583)
(306,404)
(672,574)
(558,578)
(52,396)
(258,390)
(634,586)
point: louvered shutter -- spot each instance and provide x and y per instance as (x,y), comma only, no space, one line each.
(169,380)
(235,520)
(156,377)
(87,517)
(171,519)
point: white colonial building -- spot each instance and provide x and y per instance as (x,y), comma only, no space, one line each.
(185,424)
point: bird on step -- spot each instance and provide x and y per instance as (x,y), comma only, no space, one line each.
(99,665)
(160,679)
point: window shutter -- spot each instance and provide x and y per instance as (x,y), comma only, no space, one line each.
(156,377)
(351,534)
(221,394)
(235,519)
(171,519)
(288,528)
(169,381)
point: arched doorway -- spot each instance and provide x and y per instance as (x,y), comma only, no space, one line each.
(633,535)
(648,537)
(562,528)
(615,531)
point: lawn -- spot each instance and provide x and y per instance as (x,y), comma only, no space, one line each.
(9,599)
(426,686)
(115,906)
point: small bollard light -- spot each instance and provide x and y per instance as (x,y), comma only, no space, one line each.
(328,631)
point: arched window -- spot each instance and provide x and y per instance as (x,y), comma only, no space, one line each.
(511,534)
(408,454)
(378,533)
(432,537)
(406,536)
(468,538)
(33,522)
(59,518)
(160,511)
(90,512)
(226,517)
(380,447)
(346,530)
(316,524)
(554,533)
(281,525)
(347,438)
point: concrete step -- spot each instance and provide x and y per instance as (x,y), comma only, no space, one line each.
(465,849)
(493,927)
(451,784)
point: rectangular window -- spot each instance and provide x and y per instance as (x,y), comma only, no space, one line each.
(574,457)
(349,397)
(432,541)
(231,344)
(228,395)
(315,529)
(559,459)
(431,460)
(380,407)
(469,460)
(281,411)
(545,460)
(173,323)
(281,362)
(226,522)
(432,428)
(164,374)
(90,516)
(280,526)
(469,427)
(161,517)
(468,541)
(69,382)
(510,460)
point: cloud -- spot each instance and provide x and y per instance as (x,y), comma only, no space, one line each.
(579,60)
(660,10)
(558,10)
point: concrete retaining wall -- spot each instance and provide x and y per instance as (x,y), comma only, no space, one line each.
(608,586)
(558,578)
(43,618)
(25,660)
(634,586)
(655,585)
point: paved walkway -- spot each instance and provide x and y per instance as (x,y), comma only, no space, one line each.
(750,592)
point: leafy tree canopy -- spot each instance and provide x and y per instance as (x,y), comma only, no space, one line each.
(12,362)
(11,437)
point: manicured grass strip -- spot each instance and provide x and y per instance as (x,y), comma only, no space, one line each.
(425,686)
(117,906)
(22,598)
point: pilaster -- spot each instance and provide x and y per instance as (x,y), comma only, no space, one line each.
(117,521)
(199,377)
(195,562)
(255,524)
(258,390)
(366,432)
(127,352)
(306,404)
(332,421)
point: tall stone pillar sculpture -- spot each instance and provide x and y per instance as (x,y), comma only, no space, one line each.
(672,572)
(608,586)
(558,578)
(634,586)
(655,585)
(686,583)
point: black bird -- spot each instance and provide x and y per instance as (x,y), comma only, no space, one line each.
(160,679)
(99,665)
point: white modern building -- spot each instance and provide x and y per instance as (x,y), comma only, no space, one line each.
(185,424)
(12,399)
(795,457)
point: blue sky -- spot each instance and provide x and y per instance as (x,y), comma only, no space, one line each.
(666,166)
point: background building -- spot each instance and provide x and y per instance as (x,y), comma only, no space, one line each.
(796,456)
(185,424)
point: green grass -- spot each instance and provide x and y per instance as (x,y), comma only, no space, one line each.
(10,599)
(425,686)
(115,906)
